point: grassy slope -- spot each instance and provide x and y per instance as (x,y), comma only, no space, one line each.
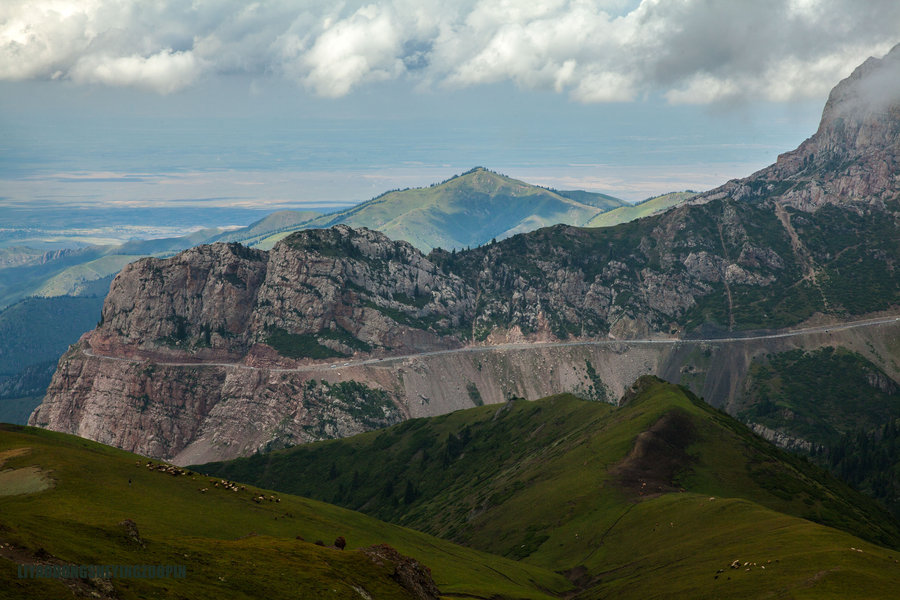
(68,281)
(538,481)
(281,221)
(603,201)
(468,210)
(232,547)
(646,208)
(73,273)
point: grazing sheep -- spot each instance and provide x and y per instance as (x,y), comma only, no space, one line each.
(340,543)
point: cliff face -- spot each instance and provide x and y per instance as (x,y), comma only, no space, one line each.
(852,158)
(202,298)
(319,294)
(214,353)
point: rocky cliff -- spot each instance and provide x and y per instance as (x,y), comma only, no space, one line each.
(219,351)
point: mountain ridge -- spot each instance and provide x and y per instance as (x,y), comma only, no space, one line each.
(563,483)
(442,215)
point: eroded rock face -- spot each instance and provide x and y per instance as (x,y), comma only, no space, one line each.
(852,158)
(339,289)
(191,414)
(358,290)
(201,299)
(413,576)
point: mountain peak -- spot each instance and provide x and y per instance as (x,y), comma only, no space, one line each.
(481,177)
(872,91)
(852,157)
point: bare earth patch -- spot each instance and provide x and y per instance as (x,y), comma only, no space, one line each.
(658,455)
(27,480)
(24,481)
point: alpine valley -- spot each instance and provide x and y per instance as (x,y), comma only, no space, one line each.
(582,410)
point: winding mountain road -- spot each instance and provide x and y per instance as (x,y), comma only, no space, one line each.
(517,346)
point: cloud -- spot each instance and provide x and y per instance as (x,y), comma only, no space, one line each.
(364,47)
(689,51)
(164,72)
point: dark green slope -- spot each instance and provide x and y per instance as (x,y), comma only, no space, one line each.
(819,395)
(40,329)
(34,333)
(63,500)
(645,208)
(616,498)
(837,406)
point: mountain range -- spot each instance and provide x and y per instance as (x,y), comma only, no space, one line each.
(569,412)
(441,214)
(221,326)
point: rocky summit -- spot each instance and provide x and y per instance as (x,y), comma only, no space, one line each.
(219,351)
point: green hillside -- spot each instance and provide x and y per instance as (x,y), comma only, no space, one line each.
(73,279)
(277,222)
(819,395)
(651,499)
(468,210)
(602,201)
(63,500)
(650,206)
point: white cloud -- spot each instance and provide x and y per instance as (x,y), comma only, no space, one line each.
(164,72)
(364,47)
(691,51)
(604,87)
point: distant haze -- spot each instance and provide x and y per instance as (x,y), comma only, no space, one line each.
(291,104)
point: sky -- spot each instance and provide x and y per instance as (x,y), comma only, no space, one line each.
(266,105)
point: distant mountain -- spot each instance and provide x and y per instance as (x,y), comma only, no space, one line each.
(465,211)
(596,199)
(650,206)
(76,271)
(615,498)
(470,210)
(268,226)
